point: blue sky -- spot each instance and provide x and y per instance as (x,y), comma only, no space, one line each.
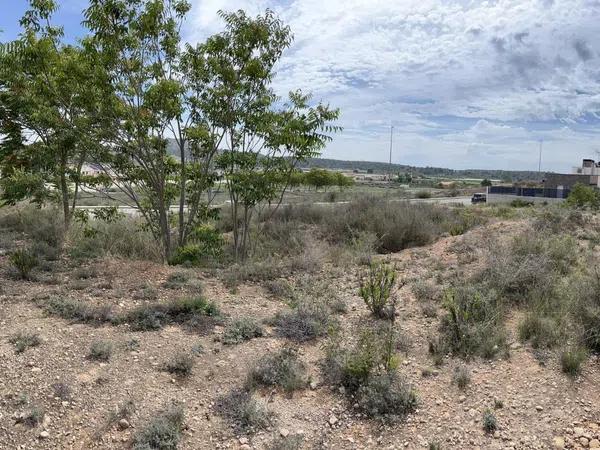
(466,83)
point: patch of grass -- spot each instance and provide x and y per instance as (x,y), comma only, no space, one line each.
(490,423)
(461,377)
(586,309)
(283,369)
(85,273)
(101,350)
(307,321)
(180,364)
(571,360)
(241,330)
(163,432)
(243,411)
(542,332)
(281,289)
(24,340)
(148,292)
(176,280)
(426,291)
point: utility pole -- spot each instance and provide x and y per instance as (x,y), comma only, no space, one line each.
(391,145)
(540,160)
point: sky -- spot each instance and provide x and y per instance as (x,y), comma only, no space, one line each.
(464,83)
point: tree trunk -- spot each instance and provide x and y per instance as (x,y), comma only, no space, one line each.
(64,189)
(182,187)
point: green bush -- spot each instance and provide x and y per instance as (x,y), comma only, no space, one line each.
(582,196)
(490,424)
(473,324)
(163,432)
(586,309)
(423,194)
(206,244)
(376,288)
(78,311)
(241,330)
(283,369)
(24,261)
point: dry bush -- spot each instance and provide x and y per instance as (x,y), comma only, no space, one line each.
(163,432)
(241,330)
(283,369)
(243,411)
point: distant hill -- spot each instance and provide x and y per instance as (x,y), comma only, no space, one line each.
(380,167)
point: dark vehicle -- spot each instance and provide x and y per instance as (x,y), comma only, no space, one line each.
(479,198)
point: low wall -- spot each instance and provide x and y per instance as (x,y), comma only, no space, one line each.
(499,198)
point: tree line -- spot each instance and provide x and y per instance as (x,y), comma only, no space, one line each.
(128,87)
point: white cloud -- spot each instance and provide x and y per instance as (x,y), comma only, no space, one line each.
(432,67)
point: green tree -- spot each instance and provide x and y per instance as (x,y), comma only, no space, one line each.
(137,43)
(486,182)
(263,142)
(46,113)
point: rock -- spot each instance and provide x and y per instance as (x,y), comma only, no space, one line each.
(123,424)
(462,398)
(578,431)
(243,440)
(284,432)
(584,441)
(333,420)
(245,447)
(539,408)
(36,370)
(313,385)
(594,443)
(44,435)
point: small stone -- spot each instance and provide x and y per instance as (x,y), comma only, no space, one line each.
(245,447)
(594,443)
(332,420)
(284,432)
(313,385)
(539,408)
(243,440)
(558,442)
(578,431)
(44,435)
(462,398)
(584,441)
(36,370)
(123,424)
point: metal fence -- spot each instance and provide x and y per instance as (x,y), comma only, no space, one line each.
(529,192)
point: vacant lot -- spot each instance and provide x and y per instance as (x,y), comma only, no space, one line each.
(488,339)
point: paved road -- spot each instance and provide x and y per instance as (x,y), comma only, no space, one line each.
(130,211)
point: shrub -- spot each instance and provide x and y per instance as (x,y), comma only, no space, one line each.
(195,312)
(243,411)
(23,340)
(472,325)
(101,350)
(62,391)
(78,311)
(241,330)
(176,280)
(571,360)
(376,288)
(287,443)
(520,203)
(542,332)
(206,243)
(281,289)
(423,194)
(425,290)
(31,418)
(352,366)
(586,309)
(461,377)
(386,395)
(24,261)
(180,364)
(163,432)
(282,369)
(490,424)
(582,196)
(307,321)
